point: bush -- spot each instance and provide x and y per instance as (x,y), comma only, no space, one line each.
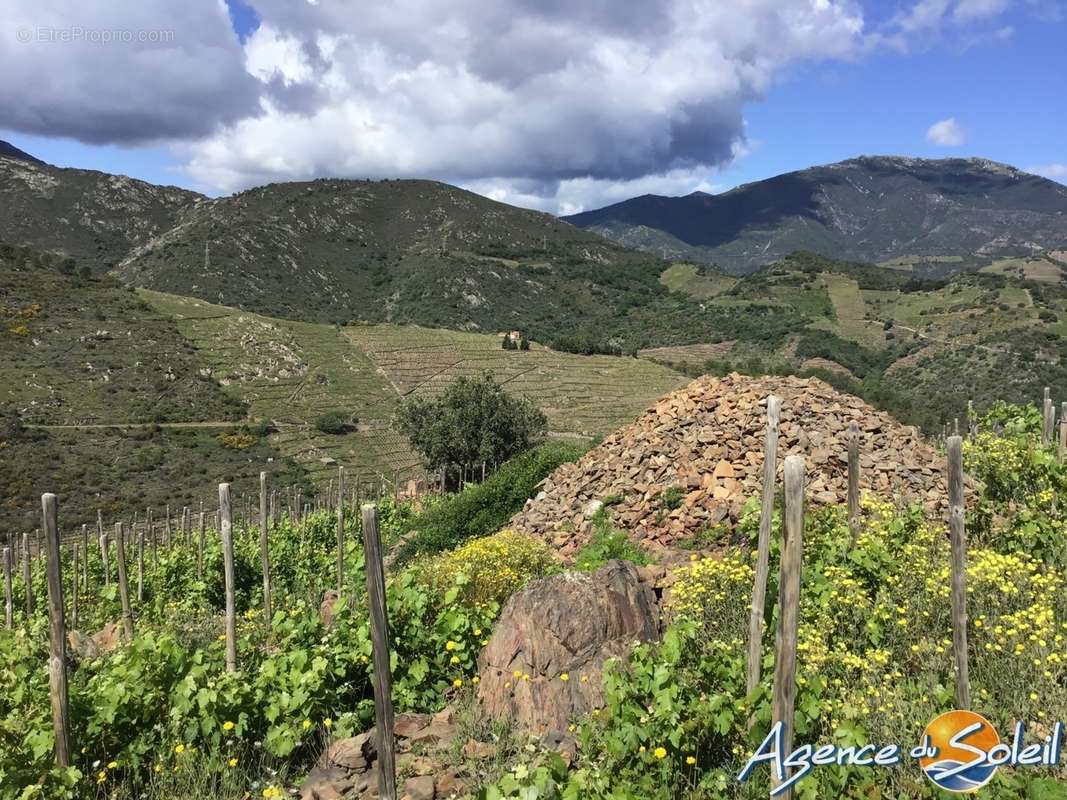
(605,545)
(335,422)
(472,421)
(483,508)
(492,567)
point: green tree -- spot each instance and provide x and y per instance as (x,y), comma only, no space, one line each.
(472,421)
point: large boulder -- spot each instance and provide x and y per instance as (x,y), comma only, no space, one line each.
(543,664)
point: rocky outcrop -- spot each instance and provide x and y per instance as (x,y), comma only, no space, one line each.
(543,664)
(348,768)
(689,462)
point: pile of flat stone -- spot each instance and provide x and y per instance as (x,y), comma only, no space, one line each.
(689,463)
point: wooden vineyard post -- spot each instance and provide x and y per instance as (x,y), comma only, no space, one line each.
(1047,415)
(383,680)
(85,558)
(853,483)
(9,601)
(200,550)
(264,548)
(763,551)
(105,555)
(152,542)
(74,586)
(1063,431)
(57,658)
(124,586)
(27,576)
(341,530)
(166,530)
(140,567)
(785,661)
(226,518)
(959,570)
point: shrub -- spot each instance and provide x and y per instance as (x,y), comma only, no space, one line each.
(483,508)
(473,420)
(237,440)
(607,544)
(334,422)
(492,567)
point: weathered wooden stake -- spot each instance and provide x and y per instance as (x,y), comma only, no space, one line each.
(383,680)
(341,530)
(105,556)
(1063,431)
(1048,416)
(226,517)
(264,548)
(74,586)
(959,570)
(9,600)
(124,586)
(200,550)
(785,661)
(27,576)
(85,557)
(140,567)
(57,659)
(763,550)
(853,483)
(152,541)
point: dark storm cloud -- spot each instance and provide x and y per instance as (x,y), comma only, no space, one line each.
(106,72)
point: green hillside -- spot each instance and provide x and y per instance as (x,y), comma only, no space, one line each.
(93,217)
(290,373)
(920,348)
(82,350)
(393,251)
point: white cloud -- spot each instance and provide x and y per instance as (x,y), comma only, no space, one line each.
(106,73)
(963,24)
(945,133)
(1056,172)
(547,102)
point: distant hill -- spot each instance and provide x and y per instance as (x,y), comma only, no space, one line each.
(919,348)
(871,209)
(88,350)
(93,217)
(404,251)
(8,150)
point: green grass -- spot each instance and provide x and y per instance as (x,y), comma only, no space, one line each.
(850,311)
(77,351)
(695,280)
(123,471)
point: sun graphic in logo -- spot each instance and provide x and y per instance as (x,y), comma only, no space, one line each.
(961,741)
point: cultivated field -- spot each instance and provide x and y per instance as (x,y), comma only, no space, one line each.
(292,372)
(586,395)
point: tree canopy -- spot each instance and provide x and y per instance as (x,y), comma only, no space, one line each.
(473,420)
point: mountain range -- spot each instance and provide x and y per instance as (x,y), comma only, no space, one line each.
(875,209)
(204,337)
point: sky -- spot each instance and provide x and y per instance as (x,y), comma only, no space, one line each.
(547,104)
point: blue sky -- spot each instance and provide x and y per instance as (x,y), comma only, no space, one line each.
(285,89)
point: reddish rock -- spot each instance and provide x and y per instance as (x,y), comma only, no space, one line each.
(565,625)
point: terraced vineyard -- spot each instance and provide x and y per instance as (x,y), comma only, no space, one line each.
(290,373)
(585,395)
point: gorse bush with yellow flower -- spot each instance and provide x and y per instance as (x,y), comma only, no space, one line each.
(490,568)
